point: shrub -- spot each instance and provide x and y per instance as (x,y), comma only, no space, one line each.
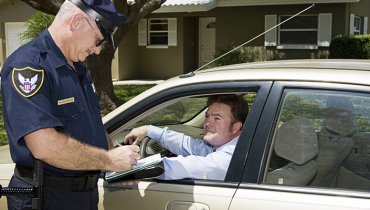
(356,47)
(35,25)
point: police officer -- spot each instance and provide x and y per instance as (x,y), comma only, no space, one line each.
(51,112)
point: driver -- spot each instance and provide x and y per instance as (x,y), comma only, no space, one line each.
(197,159)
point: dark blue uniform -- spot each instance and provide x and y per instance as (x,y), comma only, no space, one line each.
(41,90)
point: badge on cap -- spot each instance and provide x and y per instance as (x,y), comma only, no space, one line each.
(27,81)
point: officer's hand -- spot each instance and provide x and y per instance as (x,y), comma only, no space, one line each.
(124,157)
(136,135)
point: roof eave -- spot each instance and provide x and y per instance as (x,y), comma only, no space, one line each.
(228,3)
(186,8)
(231,3)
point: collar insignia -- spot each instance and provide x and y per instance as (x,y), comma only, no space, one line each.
(27,81)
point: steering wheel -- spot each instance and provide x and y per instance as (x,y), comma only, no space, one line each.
(150,147)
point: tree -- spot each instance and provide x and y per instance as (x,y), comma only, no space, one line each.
(100,66)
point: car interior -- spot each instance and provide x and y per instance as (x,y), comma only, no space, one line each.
(327,147)
(184,115)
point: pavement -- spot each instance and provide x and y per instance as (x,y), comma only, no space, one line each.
(5,155)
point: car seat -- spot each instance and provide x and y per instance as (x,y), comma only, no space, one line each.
(295,141)
(335,142)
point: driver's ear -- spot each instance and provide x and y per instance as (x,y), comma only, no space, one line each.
(237,126)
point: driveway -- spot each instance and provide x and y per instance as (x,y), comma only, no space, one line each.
(5,155)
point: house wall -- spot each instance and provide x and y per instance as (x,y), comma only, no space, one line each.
(234,26)
(15,12)
(190,44)
(361,9)
(128,57)
(161,63)
(244,23)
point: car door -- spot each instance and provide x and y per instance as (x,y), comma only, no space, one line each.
(186,193)
(310,150)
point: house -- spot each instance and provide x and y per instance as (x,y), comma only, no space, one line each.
(183,35)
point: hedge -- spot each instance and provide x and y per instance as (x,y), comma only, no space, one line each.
(354,46)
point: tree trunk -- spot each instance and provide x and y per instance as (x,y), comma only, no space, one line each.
(100,67)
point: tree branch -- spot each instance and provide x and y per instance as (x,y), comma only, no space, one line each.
(50,7)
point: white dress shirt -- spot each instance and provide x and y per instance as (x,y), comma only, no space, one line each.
(196,159)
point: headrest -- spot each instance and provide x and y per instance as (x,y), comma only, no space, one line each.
(339,116)
(296,141)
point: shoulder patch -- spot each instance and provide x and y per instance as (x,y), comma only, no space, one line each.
(27,81)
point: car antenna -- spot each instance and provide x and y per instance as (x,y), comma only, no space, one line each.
(190,74)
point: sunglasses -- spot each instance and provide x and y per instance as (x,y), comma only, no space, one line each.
(99,41)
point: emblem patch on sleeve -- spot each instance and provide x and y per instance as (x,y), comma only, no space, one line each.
(27,81)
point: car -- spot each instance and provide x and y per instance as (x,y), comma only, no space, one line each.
(305,143)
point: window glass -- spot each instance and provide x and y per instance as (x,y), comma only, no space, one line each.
(176,113)
(357,25)
(321,139)
(299,30)
(158,31)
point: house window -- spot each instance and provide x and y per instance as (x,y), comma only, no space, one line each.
(357,26)
(157,32)
(301,30)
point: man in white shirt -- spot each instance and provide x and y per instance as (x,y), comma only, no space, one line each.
(200,159)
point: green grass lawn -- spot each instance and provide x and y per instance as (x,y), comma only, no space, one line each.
(124,92)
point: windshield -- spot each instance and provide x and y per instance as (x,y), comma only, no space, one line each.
(177,113)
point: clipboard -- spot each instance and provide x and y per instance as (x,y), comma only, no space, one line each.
(148,167)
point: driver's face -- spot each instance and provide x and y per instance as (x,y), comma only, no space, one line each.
(218,125)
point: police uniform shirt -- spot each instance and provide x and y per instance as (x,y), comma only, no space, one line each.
(41,90)
(196,159)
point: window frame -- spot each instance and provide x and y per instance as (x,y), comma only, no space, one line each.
(297,45)
(261,143)
(154,33)
(357,25)
(145,32)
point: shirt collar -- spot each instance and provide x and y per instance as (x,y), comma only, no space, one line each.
(52,49)
(231,143)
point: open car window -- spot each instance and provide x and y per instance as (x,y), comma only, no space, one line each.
(184,115)
(176,114)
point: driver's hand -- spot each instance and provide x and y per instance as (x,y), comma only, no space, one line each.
(136,135)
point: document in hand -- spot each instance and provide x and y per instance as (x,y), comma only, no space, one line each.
(148,167)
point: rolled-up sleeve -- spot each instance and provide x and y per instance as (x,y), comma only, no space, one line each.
(179,143)
(213,167)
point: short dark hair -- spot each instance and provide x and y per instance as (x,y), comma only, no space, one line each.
(238,105)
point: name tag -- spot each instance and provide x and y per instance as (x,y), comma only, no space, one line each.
(66,101)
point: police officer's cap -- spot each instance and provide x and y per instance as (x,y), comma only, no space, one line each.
(105,15)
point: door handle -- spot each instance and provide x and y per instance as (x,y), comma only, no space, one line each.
(186,205)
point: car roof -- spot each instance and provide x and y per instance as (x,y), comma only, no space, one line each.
(345,71)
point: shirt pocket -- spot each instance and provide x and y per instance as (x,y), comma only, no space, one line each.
(70,111)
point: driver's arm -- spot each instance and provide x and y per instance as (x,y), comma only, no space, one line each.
(179,143)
